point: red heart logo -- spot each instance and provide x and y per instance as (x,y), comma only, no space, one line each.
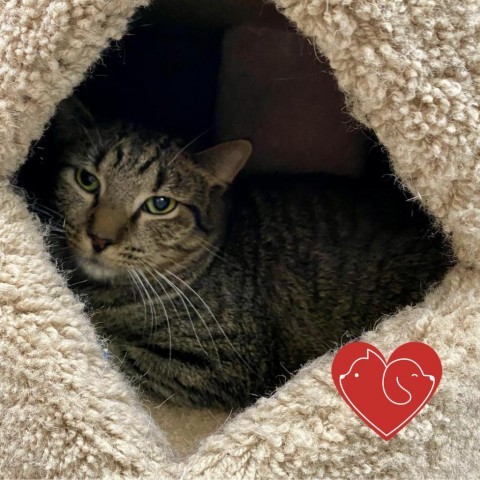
(386,395)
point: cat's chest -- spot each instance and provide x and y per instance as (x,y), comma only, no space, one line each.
(220,299)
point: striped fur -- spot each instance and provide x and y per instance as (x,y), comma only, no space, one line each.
(216,305)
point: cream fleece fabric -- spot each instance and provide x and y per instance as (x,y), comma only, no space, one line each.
(411,71)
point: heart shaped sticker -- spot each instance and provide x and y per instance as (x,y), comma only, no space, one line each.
(386,395)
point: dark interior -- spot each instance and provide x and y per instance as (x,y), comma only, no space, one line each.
(216,71)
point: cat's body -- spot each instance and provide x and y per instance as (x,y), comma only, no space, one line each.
(209,295)
(307,262)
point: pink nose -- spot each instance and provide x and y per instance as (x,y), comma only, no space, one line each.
(100,244)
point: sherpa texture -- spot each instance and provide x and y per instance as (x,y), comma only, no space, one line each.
(411,71)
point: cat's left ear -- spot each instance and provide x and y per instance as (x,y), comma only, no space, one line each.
(224,161)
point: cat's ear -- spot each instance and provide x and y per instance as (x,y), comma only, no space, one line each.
(72,120)
(224,161)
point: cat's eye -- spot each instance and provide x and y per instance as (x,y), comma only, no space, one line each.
(159,205)
(87,180)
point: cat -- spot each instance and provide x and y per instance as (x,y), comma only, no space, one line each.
(211,291)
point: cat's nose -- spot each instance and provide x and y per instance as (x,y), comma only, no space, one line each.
(100,244)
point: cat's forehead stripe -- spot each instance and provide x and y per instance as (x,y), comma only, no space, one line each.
(160,178)
(156,156)
(120,155)
(100,155)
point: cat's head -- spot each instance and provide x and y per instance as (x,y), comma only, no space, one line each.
(134,202)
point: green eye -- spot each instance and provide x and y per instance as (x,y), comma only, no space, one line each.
(159,205)
(87,180)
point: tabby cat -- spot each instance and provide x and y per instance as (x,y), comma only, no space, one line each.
(209,293)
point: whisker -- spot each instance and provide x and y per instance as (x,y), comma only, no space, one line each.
(152,272)
(133,276)
(220,257)
(78,283)
(149,299)
(164,310)
(132,284)
(183,297)
(217,251)
(153,311)
(165,401)
(214,318)
(38,207)
(189,144)
(56,236)
(93,145)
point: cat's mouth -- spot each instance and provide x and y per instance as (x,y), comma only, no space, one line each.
(94,266)
(96,269)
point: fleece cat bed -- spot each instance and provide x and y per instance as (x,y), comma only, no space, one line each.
(411,73)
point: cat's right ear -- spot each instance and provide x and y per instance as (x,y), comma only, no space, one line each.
(224,161)
(72,120)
